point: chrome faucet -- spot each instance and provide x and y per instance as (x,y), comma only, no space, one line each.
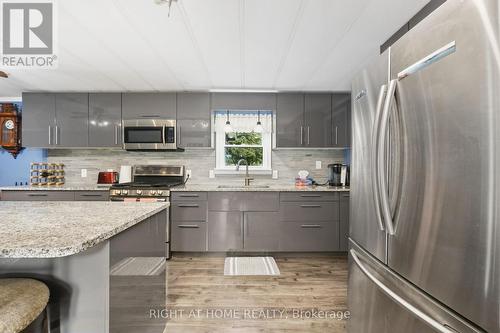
(247,176)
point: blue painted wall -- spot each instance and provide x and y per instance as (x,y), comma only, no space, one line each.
(18,170)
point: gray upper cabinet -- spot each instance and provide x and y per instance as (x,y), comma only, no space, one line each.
(290,120)
(243,101)
(39,120)
(72,119)
(105,118)
(318,119)
(341,122)
(193,120)
(149,105)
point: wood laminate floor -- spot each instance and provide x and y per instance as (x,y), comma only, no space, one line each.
(201,299)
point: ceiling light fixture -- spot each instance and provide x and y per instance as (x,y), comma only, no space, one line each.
(227,127)
(4,75)
(258,128)
(166,2)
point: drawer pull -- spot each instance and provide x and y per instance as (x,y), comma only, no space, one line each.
(188,226)
(91,195)
(189,195)
(310,195)
(345,195)
(310,226)
(310,206)
(37,195)
(188,205)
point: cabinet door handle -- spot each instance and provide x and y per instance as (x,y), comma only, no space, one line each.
(301,135)
(180,135)
(336,135)
(150,116)
(37,194)
(188,205)
(50,135)
(345,195)
(310,195)
(189,195)
(310,226)
(116,134)
(308,136)
(310,206)
(57,135)
(91,195)
(188,226)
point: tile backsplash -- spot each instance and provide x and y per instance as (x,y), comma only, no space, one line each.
(200,162)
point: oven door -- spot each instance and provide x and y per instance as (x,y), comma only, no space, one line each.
(149,134)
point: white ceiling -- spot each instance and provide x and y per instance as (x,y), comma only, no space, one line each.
(131,45)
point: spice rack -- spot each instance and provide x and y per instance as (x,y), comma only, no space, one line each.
(47,174)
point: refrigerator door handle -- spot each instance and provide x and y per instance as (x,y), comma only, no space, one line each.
(439,327)
(380,103)
(381,174)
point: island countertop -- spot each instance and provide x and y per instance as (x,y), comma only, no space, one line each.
(58,229)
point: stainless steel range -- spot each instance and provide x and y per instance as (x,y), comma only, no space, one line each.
(150,183)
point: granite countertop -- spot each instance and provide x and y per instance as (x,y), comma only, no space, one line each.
(58,229)
(272,188)
(57,188)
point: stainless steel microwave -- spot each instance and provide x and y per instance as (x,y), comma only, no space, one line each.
(149,134)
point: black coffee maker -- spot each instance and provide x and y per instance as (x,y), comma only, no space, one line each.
(338,175)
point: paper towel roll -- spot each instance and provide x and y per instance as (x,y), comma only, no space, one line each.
(125,174)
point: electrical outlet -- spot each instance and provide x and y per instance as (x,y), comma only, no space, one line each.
(189,174)
(84,173)
(318,164)
(211,174)
(275,174)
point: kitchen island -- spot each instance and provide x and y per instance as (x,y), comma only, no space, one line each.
(83,251)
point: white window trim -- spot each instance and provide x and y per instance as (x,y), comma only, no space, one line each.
(221,168)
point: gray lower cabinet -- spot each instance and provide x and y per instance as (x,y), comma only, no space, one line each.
(344,221)
(309,236)
(50,195)
(91,195)
(317,120)
(105,119)
(149,105)
(39,120)
(341,120)
(225,231)
(53,195)
(261,231)
(290,120)
(193,120)
(189,221)
(189,236)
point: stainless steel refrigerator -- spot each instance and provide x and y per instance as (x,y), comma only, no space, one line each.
(425,186)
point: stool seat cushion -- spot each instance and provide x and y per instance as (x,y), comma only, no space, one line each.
(21,302)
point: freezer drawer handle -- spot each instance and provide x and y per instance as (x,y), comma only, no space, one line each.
(419,314)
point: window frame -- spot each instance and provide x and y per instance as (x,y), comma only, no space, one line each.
(220,158)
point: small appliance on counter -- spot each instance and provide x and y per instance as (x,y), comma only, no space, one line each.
(107,178)
(338,175)
(125,174)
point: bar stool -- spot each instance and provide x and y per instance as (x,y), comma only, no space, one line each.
(22,305)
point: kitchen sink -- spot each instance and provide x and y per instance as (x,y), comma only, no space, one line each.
(239,187)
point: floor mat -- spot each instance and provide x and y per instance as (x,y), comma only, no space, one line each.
(251,266)
(139,266)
